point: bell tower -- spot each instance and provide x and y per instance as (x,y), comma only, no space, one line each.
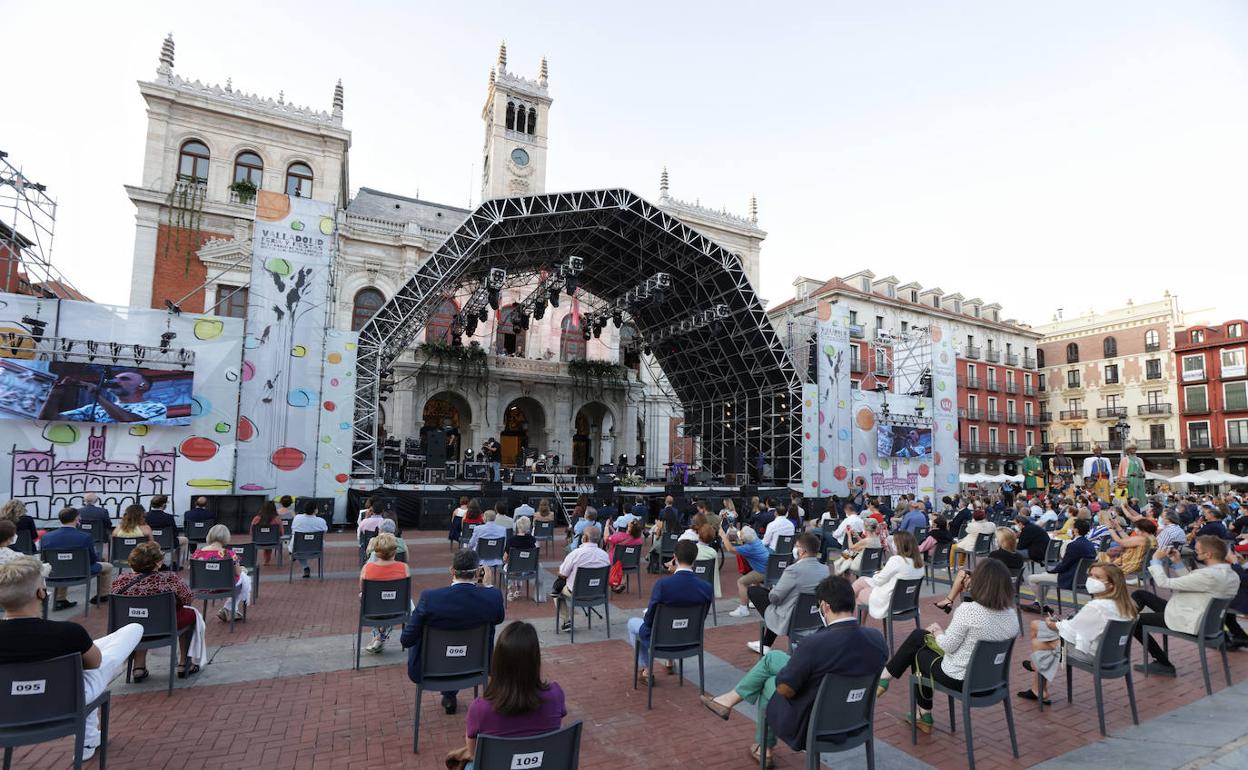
(515,116)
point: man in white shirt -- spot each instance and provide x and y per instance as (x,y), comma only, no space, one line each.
(1036,510)
(524,509)
(852,521)
(502,519)
(1046,516)
(306,521)
(782,525)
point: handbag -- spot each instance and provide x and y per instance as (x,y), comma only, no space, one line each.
(617,574)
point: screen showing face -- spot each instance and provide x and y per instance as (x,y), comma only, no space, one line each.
(91,392)
(903,441)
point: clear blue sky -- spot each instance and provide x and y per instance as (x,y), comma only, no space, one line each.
(1069,154)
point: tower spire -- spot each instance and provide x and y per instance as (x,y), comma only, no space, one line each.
(753,208)
(663,183)
(338,99)
(542,73)
(166,57)
(502,57)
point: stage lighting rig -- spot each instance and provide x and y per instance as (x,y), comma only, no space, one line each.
(165,339)
(37,325)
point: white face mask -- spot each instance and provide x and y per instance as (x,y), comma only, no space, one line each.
(1095,586)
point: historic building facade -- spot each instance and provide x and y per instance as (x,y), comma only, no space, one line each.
(1213,397)
(210,147)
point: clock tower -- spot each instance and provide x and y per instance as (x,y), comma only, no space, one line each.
(515,116)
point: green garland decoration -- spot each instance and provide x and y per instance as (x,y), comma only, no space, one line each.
(589,372)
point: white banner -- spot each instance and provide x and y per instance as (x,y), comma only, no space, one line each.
(333,450)
(835,448)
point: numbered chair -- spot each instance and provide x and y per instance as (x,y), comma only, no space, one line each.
(776,565)
(987,683)
(266,537)
(100,532)
(589,590)
(213,580)
(167,539)
(543,532)
(903,605)
(1112,661)
(383,603)
(784,543)
(197,532)
(451,660)
(159,617)
(24,543)
(1212,634)
(841,718)
(522,567)
(249,558)
(705,569)
(804,621)
(43,701)
(827,542)
(465,534)
(489,550)
(667,547)
(307,546)
(983,547)
(676,634)
(560,750)
(1052,555)
(872,558)
(70,567)
(940,560)
(119,549)
(630,557)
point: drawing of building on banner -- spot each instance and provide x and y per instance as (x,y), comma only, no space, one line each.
(894,484)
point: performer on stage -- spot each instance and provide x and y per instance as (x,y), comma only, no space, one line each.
(1033,473)
(1062,472)
(1131,468)
(1098,471)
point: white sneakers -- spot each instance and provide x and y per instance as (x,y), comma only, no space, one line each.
(375,646)
(754,647)
(740,612)
(87,752)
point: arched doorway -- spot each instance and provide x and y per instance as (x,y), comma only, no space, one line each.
(524,428)
(593,421)
(447,413)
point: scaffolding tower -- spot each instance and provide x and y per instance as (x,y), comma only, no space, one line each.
(27,227)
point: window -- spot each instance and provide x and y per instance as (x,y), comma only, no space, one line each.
(853,316)
(511,115)
(299,180)
(367,302)
(1031,437)
(1152,342)
(231,301)
(1026,380)
(1235,396)
(972,402)
(914,295)
(1233,363)
(1196,399)
(970,340)
(1113,401)
(1154,397)
(975,309)
(193,161)
(1193,368)
(802,290)
(509,335)
(1157,436)
(532,120)
(905,326)
(1198,435)
(1011,436)
(1009,377)
(1072,353)
(1076,436)
(935,300)
(249,168)
(571,340)
(957,306)
(879,322)
(1237,433)
(1040,383)
(1110,347)
(1027,408)
(866,284)
(438,327)
(1198,335)
(973,434)
(881,361)
(992,404)
(1152,369)
(1111,374)
(1010,407)
(1074,404)
(971,371)
(1234,331)
(992,435)
(890,290)
(1072,378)
(1039,358)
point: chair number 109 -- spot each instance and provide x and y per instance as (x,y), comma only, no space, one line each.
(527,761)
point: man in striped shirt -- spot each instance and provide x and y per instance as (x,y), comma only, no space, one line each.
(1170,533)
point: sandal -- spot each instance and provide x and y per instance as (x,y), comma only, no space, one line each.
(756,755)
(924,724)
(184,672)
(643,677)
(883,686)
(944,604)
(136,677)
(1029,695)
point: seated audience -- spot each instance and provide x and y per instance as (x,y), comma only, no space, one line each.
(756,555)
(521,538)
(268,517)
(906,564)
(305,522)
(1033,541)
(706,550)
(938,534)
(158,518)
(457,520)
(912,519)
(781,525)
(587,554)
(69,536)
(15,511)
(382,566)
(285,511)
(978,525)
(1063,575)
(850,559)
(681,589)
(148,580)
(489,530)
(216,548)
(90,511)
(544,512)
(1130,551)
(626,537)
(502,519)
(777,605)
(199,513)
(132,523)
(376,515)
(388,527)
(8,536)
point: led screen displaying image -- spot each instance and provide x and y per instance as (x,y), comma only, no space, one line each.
(94,392)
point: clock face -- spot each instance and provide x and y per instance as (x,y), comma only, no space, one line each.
(520,157)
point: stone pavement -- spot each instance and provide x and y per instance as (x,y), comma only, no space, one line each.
(281,692)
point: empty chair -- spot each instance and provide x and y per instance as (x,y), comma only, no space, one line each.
(383,603)
(705,569)
(589,590)
(1212,634)
(465,535)
(667,546)
(677,633)
(558,750)
(100,531)
(842,717)
(1112,661)
(167,539)
(543,532)
(827,541)
(43,701)
(983,546)
(197,532)
(522,567)
(451,660)
(776,565)
(630,557)
(213,580)
(24,543)
(306,546)
(159,617)
(70,567)
(784,543)
(940,560)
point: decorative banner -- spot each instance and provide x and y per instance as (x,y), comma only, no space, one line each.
(835,455)
(810,439)
(945,412)
(333,448)
(287,315)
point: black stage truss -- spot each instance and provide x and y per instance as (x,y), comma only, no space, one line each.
(739,391)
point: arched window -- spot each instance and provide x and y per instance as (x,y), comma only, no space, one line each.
(1111,347)
(367,301)
(511,115)
(509,337)
(299,180)
(1072,353)
(438,327)
(248,168)
(571,340)
(1151,341)
(1039,359)
(532,119)
(193,161)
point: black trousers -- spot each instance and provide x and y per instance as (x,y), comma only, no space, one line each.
(915,655)
(1233,628)
(1155,617)
(761,598)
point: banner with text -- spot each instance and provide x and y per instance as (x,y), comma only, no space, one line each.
(835,448)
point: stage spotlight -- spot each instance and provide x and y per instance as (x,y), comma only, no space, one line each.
(165,339)
(646,348)
(587,334)
(494,296)
(597,331)
(470,326)
(569,285)
(523,321)
(483,315)
(617,318)
(554,296)
(539,310)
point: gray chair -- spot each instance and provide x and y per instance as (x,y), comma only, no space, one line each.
(630,557)
(987,683)
(491,548)
(451,659)
(213,580)
(543,532)
(589,590)
(784,543)
(705,569)
(903,605)
(159,617)
(523,567)
(1080,583)
(667,546)
(197,532)
(805,620)
(558,750)
(266,537)
(1052,555)
(677,634)
(167,539)
(100,531)
(306,547)
(249,558)
(1112,661)
(119,549)
(872,558)
(383,603)
(1212,634)
(70,567)
(940,560)
(920,534)
(983,547)
(841,718)
(24,543)
(465,534)
(777,563)
(43,701)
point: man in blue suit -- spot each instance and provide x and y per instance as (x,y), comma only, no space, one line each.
(681,589)
(70,536)
(1063,575)
(462,605)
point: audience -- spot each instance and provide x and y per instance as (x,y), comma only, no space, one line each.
(939,534)
(284,510)
(1236,638)
(199,513)
(840,648)
(912,519)
(1130,551)
(1170,531)
(147,579)
(489,530)
(777,605)
(457,520)
(132,523)
(876,592)
(756,556)
(216,548)
(851,558)
(632,536)
(15,511)
(306,522)
(706,552)
(69,536)
(681,589)
(158,518)
(8,535)
(388,527)
(462,605)
(268,517)
(382,566)
(544,513)
(587,554)
(781,525)
(978,525)
(1063,575)
(522,510)
(90,510)
(376,515)
(1032,539)
(521,538)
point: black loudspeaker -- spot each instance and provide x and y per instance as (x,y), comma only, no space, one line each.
(815,506)
(675,490)
(435,512)
(521,477)
(749,491)
(435,447)
(492,489)
(735,462)
(605,478)
(606,468)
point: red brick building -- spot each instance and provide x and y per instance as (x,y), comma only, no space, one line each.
(1213,396)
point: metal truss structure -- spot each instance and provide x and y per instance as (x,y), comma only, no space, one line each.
(739,391)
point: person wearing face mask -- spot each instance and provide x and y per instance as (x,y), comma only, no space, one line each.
(1082,633)
(1190,593)
(840,648)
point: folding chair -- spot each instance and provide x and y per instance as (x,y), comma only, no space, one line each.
(1112,661)
(308,546)
(667,547)
(920,534)
(523,567)
(827,542)
(841,718)
(383,603)
(872,558)
(119,549)
(43,701)
(558,750)
(465,534)
(630,557)
(265,537)
(70,567)
(1212,634)
(705,569)
(159,617)
(249,558)
(677,634)
(451,660)
(589,590)
(903,605)
(213,579)
(776,565)
(987,683)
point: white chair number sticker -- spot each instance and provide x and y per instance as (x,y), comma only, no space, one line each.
(64,556)
(999,659)
(680,623)
(137,612)
(814,609)
(130,542)
(214,566)
(594,583)
(526,761)
(32,687)
(460,651)
(525,554)
(1123,641)
(389,595)
(911,589)
(856,695)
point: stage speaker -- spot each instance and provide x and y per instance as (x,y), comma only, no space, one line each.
(521,477)
(435,447)
(735,461)
(493,488)
(452,469)
(675,490)
(605,478)
(236,511)
(748,491)
(435,475)
(435,512)
(606,468)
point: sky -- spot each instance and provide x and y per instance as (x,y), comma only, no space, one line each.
(1041,155)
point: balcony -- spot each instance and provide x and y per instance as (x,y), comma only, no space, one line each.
(995,416)
(1111,412)
(1073,446)
(857,366)
(1237,442)
(971,414)
(884,370)
(993,356)
(236,198)
(1045,448)
(1011,387)
(1153,376)
(970,382)
(1014,449)
(992,384)
(1111,443)
(1011,359)
(1029,362)
(1013,418)
(1152,347)
(1199,443)
(972,353)
(1196,409)
(857,332)
(1029,390)
(1153,410)
(1029,419)
(1046,417)
(1157,443)
(1073,414)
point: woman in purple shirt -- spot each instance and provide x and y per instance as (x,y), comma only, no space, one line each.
(516,703)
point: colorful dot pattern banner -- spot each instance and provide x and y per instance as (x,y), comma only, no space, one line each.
(333,446)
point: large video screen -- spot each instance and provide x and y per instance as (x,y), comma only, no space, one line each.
(94,392)
(903,441)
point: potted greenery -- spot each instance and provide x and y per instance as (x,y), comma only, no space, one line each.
(245,189)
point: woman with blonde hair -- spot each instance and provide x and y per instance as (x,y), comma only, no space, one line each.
(132,523)
(382,566)
(15,511)
(728,514)
(216,548)
(543,511)
(851,558)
